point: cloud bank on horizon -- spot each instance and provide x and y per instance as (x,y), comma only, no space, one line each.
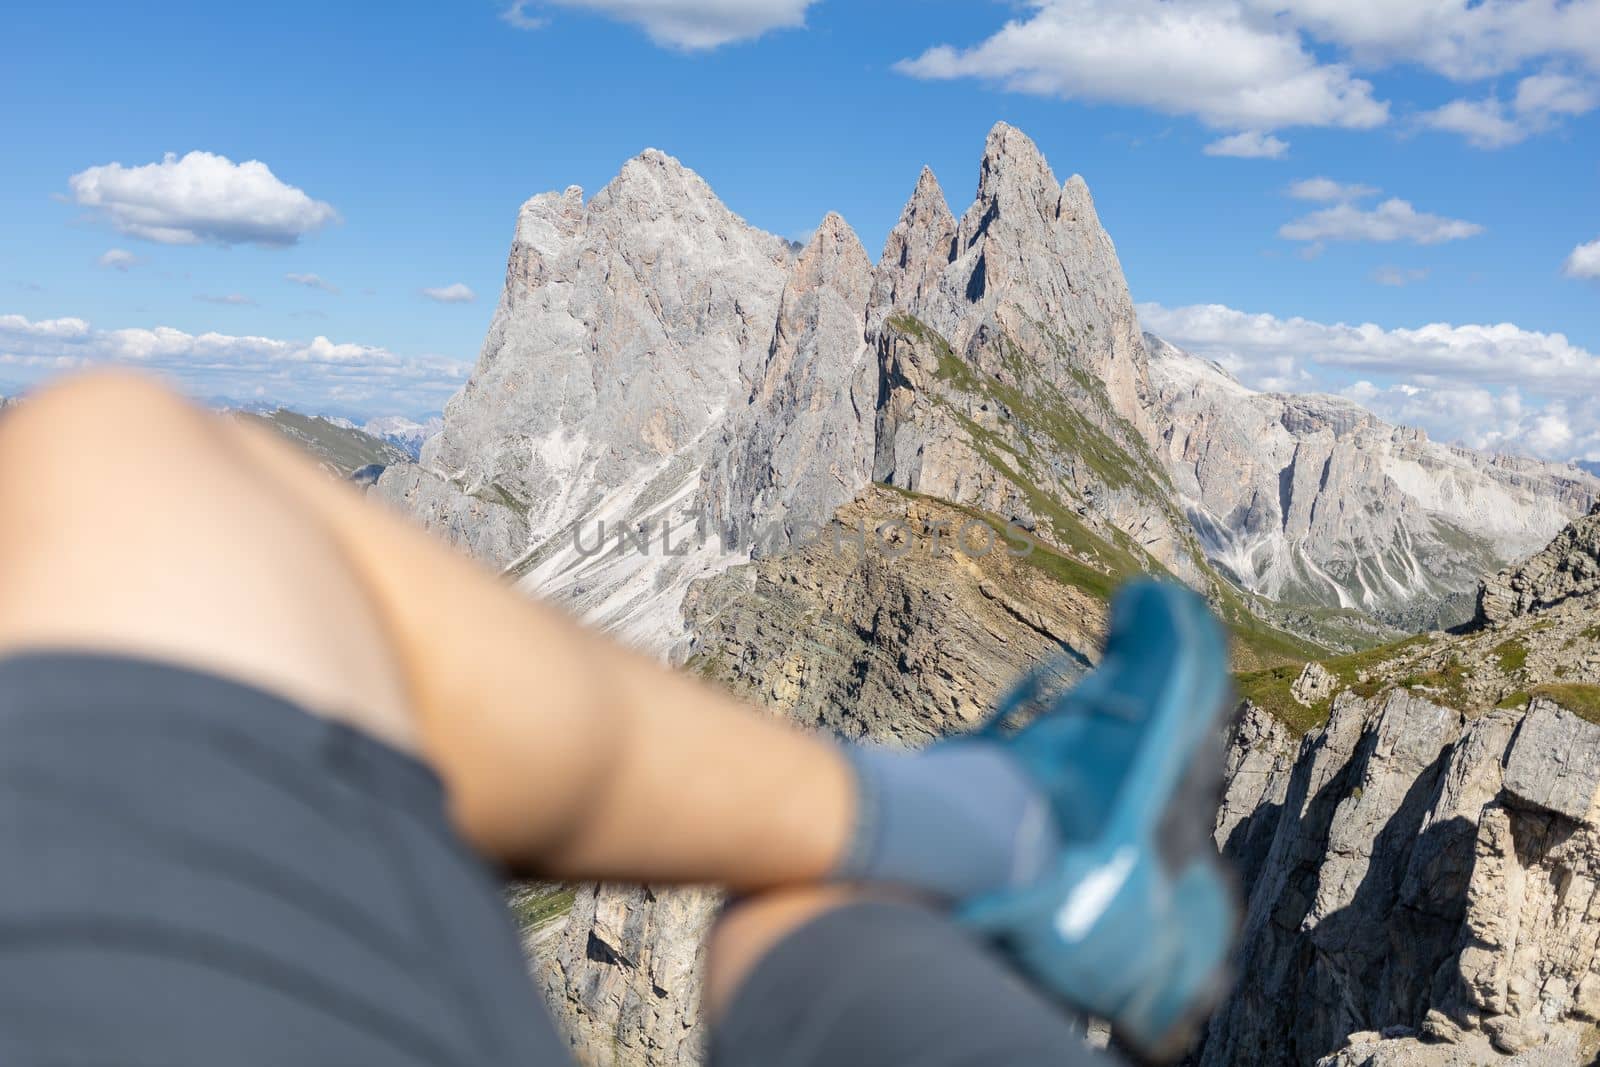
(318,376)
(1496,387)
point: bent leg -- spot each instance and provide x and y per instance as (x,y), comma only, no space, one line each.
(568,755)
(132,522)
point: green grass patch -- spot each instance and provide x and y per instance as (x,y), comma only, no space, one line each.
(1582,700)
(1512,656)
(533,906)
(1269,689)
(495,493)
(1047,558)
(1448,680)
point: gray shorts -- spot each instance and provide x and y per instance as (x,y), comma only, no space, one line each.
(196,873)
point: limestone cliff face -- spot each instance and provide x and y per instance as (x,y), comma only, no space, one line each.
(802,445)
(1312,499)
(1013,375)
(628,330)
(1422,869)
(1422,887)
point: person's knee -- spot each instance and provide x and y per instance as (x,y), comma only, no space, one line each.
(109,398)
(130,522)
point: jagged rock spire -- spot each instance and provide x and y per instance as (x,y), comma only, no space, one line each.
(918,250)
(1015,175)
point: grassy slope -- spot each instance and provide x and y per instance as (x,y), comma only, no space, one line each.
(344,449)
(1078,555)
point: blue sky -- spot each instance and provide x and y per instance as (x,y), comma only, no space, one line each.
(400,139)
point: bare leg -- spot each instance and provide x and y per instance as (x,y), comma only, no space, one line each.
(130,524)
(564,754)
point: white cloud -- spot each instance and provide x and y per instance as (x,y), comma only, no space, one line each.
(118,259)
(517,15)
(1213,59)
(1392,220)
(1251,144)
(43,329)
(1461,39)
(451,294)
(694,25)
(311,281)
(230,299)
(1584,262)
(318,374)
(1327,190)
(200,198)
(1541,103)
(1490,386)
(1398,276)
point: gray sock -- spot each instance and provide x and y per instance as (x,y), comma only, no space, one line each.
(955,822)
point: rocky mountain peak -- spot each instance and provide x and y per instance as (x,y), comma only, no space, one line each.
(1014,172)
(1567,570)
(835,237)
(918,250)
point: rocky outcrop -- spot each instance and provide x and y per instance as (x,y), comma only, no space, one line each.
(623,978)
(1422,888)
(1422,867)
(1313,500)
(1569,568)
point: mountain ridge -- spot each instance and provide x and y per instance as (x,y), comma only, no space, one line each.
(632,374)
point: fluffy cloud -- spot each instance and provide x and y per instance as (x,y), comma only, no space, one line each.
(1327,190)
(1542,102)
(1251,144)
(1584,262)
(1461,39)
(451,294)
(1490,386)
(118,259)
(1211,59)
(311,281)
(318,374)
(691,25)
(1392,220)
(200,198)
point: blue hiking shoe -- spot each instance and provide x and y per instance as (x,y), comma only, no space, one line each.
(1137,918)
